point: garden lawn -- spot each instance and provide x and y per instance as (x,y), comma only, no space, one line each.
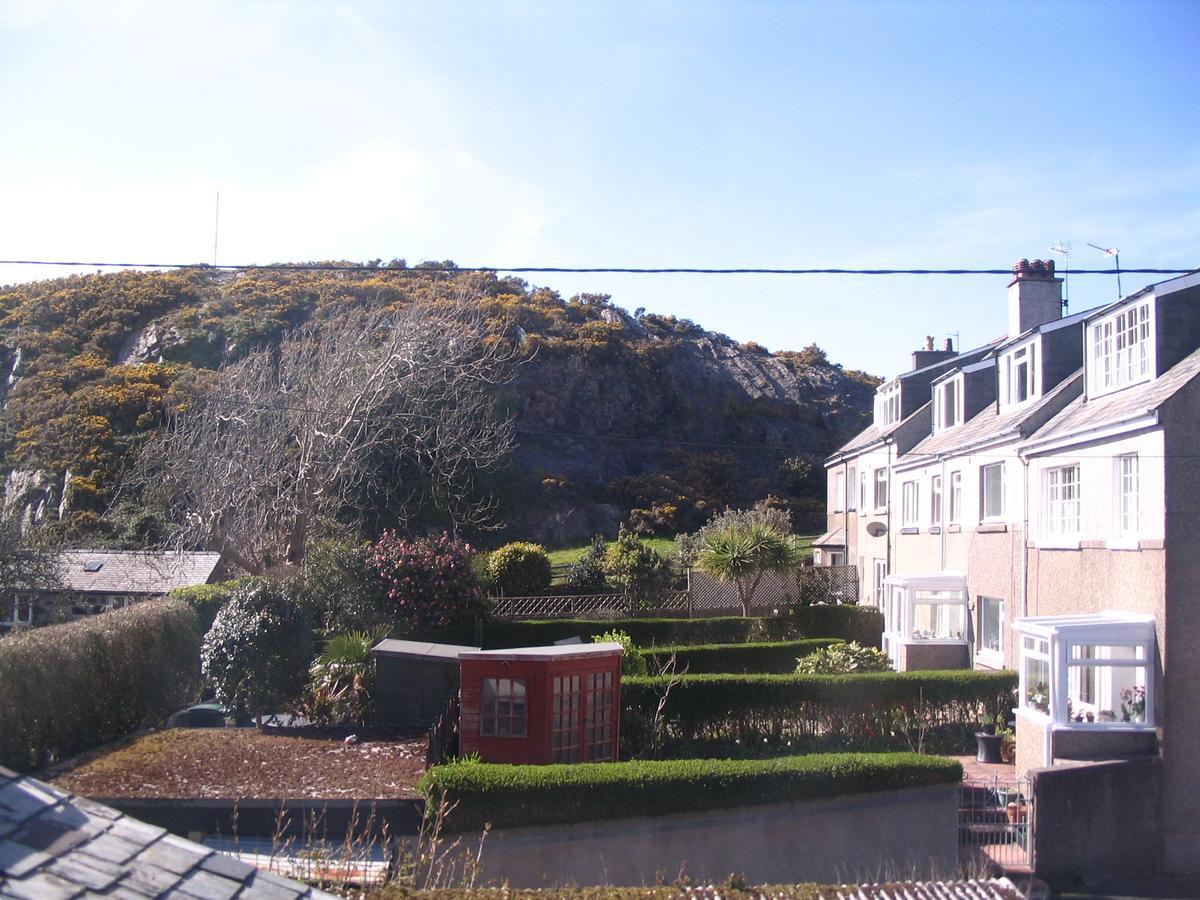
(664,545)
(220,763)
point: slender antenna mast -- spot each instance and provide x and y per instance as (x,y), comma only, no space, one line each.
(1114,252)
(216,226)
(1064,247)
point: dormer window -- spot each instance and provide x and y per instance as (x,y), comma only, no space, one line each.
(887,404)
(1019,380)
(948,404)
(1119,349)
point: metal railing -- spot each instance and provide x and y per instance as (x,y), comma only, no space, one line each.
(994,818)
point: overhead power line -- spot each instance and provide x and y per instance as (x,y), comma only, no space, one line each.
(573,270)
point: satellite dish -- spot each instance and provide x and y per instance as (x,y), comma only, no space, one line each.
(876,529)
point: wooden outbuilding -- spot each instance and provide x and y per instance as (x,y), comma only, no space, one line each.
(541,704)
(414,680)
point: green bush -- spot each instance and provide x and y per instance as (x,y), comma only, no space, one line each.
(509,796)
(753,713)
(519,569)
(635,568)
(777,657)
(586,574)
(342,588)
(632,661)
(67,688)
(258,651)
(207,599)
(844,659)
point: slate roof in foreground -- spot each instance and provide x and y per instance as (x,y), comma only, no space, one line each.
(56,845)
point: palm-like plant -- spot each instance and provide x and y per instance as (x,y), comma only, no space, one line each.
(744,554)
(341,682)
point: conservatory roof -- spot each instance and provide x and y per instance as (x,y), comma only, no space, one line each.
(1109,621)
(931,581)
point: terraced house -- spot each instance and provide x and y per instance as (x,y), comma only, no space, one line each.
(1032,504)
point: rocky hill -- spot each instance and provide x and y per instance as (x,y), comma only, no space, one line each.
(617,415)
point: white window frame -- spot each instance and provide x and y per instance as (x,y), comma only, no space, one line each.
(991,656)
(984,516)
(1019,387)
(862,490)
(1062,510)
(955,514)
(1127,485)
(851,489)
(879,567)
(839,491)
(887,404)
(910,504)
(935,501)
(948,404)
(881,490)
(1120,349)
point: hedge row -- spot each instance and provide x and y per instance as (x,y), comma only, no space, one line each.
(777,657)
(510,796)
(872,710)
(67,688)
(851,623)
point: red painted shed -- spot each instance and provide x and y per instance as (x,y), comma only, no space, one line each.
(541,704)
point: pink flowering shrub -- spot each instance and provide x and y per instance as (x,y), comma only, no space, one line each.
(430,580)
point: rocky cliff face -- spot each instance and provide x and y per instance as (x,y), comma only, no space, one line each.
(615,413)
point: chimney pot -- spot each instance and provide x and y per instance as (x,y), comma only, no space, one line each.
(949,345)
(929,342)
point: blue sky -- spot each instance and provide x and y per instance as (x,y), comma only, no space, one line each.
(629,134)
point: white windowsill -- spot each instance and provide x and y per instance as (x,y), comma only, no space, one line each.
(1105,726)
(1058,543)
(990,658)
(1124,543)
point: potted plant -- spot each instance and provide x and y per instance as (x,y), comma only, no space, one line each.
(987,724)
(1133,704)
(1008,744)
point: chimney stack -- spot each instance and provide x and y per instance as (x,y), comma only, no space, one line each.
(1034,296)
(929,356)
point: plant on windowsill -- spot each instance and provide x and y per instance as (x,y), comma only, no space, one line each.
(1133,704)
(1039,698)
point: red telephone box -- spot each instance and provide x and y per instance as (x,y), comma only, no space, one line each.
(541,704)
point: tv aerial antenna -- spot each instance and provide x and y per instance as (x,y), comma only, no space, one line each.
(1114,252)
(1064,247)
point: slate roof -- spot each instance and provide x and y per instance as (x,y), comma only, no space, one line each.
(134,571)
(1111,409)
(56,845)
(988,424)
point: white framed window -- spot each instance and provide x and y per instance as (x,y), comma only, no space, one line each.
(1119,351)
(948,404)
(935,500)
(1062,501)
(990,628)
(991,492)
(839,491)
(1106,683)
(851,490)
(880,569)
(1127,492)
(909,504)
(955,498)
(887,404)
(881,489)
(862,491)
(1019,375)
(1035,674)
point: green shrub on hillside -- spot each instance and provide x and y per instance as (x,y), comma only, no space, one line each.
(586,574)
(632,661)
(510,796)
(519,569)
(67,688)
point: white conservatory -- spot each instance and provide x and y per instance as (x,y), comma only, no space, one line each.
(925,621)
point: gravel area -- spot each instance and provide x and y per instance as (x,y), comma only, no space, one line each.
(247,763)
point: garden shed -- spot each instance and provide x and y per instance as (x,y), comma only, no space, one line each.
(925,621)
(414,680)
(541,704)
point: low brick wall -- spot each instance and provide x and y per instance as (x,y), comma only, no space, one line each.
(860,837)
(917,657)
(1097,820)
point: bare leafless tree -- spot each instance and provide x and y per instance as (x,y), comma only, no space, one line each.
(319,427)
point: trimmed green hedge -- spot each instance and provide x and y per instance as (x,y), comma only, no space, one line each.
(510,796)
(778,657)
(67,688)
(852,623)
(866,711)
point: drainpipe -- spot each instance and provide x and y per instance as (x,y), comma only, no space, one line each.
(1024,535)
(847,489)
(888,512)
